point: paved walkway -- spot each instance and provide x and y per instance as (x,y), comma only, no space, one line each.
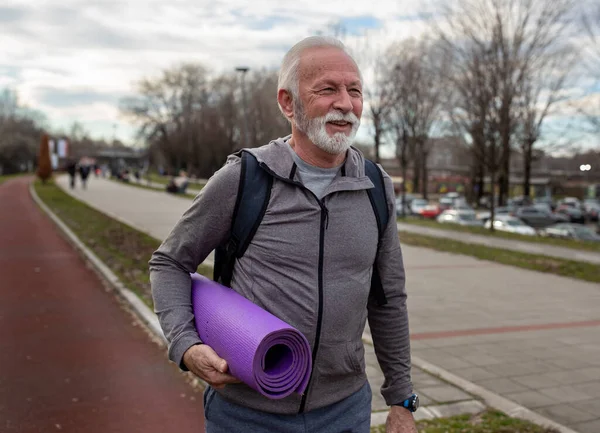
(507,244)
(70,359)
(533,338)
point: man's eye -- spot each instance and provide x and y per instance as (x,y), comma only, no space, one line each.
(328,89)
(355,91)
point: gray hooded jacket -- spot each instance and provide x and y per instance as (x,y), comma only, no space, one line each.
(310,264)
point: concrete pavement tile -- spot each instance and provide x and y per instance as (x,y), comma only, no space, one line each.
(448,362)
(533,399)
(419,344)
(459,408)
(514,369)
(445,394)
(566,414)
(474,373)
(502,385)
(538,381)
(570,377)
(481,359)
(571,363)
(591,372)
(566,393)
(592,406)
(591,388)
(588,427)
(423,399)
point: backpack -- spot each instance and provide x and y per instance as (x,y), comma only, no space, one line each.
(254,193)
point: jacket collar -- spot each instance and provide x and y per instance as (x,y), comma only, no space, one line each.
(278,159)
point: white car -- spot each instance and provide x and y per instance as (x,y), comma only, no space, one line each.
(417,205)
(463,218)
(510,224)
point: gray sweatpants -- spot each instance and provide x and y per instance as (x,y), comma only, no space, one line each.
(351,415)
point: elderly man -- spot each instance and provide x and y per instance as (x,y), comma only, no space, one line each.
(310,263)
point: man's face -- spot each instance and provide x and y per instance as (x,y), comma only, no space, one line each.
(330,104)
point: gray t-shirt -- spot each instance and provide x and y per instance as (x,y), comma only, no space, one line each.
(316,179)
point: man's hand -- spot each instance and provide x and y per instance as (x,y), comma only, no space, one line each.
(400,420)
(208,366)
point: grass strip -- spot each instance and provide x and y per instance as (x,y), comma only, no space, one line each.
(486,422)
(567,243)
(567,268)
(123,249)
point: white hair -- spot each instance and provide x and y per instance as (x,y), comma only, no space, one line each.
(289,77)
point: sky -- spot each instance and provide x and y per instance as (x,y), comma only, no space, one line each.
(75,60)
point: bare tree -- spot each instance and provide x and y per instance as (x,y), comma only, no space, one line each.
(265,120)
(591,56)
(538,93)
(20,130)
(516,36)
(417,89)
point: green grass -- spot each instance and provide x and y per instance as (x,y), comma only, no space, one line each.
(487,422)
(568,243)
(123,249)
(567,268)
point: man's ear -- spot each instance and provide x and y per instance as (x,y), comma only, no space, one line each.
(285,101)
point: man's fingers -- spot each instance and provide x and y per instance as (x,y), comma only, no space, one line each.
(214,360)
(219,380)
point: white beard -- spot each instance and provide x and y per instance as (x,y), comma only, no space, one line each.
(315,129)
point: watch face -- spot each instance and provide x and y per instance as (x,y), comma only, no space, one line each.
(415,403)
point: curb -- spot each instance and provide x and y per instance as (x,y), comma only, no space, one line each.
(149,318)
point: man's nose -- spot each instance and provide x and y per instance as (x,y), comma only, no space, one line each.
(343,102)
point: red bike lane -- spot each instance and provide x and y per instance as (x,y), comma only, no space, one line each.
(70,358)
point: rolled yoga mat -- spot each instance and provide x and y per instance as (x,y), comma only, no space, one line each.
(261,350)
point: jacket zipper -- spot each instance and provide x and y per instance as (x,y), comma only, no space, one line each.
(324,224)
(324,221)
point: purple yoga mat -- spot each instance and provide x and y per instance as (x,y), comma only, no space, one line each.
(262,351)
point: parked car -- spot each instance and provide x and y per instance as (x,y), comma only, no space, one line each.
(417,204)
(545,200)
(591,207)
(503,210)
(571,231)
(539,218)
(575,214)
(445,203)
(461,217)
(510,224)
(569,201)
(430,211)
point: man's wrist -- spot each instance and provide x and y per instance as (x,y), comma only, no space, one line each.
(410,404)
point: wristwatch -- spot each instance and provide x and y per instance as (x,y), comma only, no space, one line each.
(411,403)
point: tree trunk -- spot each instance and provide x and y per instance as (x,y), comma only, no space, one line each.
(425,174)
(527,159)
(417,170)
(377,140)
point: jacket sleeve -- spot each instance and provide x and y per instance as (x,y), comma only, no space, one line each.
(389,322)
(203,227)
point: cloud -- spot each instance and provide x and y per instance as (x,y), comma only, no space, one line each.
(60,97)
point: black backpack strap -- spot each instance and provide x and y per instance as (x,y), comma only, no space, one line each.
(379,203)
(254,193)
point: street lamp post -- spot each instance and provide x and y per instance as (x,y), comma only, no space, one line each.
(243,70)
